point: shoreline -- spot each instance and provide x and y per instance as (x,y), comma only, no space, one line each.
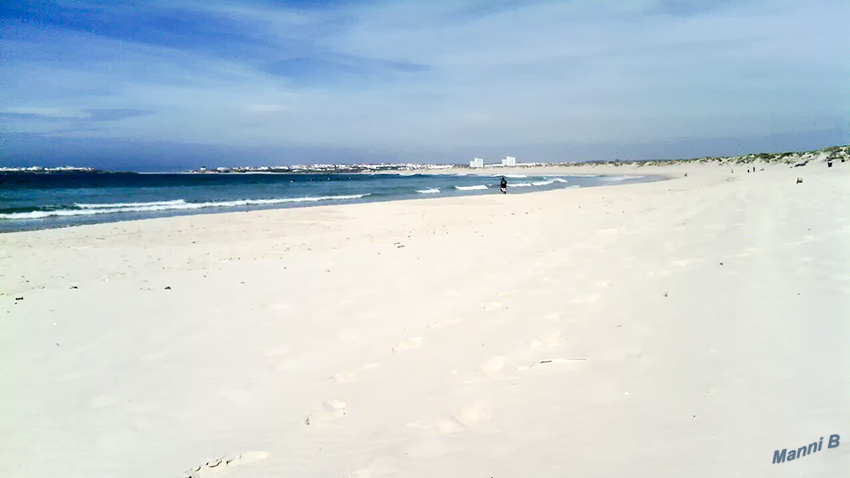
(672,321)
(12,225)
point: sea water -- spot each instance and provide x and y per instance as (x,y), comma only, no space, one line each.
(38,200)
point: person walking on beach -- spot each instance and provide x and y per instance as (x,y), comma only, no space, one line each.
(503,185)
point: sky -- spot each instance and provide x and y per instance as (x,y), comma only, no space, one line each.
(162,85)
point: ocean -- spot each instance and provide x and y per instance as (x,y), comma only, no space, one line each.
(39,200)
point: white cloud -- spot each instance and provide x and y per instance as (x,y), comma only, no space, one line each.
(535,73)
(49,112)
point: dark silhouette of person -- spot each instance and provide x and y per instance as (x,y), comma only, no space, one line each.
(503,185)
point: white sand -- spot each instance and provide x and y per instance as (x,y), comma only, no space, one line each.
(685,328)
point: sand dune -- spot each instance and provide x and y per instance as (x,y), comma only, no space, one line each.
(688,327)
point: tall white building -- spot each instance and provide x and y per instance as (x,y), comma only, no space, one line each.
(476,163)
(509,161)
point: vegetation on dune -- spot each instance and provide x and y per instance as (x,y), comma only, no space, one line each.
(794,158)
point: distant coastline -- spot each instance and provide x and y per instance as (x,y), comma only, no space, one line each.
(58,169)
(792,158)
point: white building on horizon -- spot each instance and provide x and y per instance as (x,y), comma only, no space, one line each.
(509,161)
(476,163)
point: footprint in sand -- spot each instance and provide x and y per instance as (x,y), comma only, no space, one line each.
(221,466)
(383,465)
(548,341)
(330,410)
(459,421)
(807,238)
(411,343)
(542,363)
(358,474)
(493,366)
(276,351)
(443,323)
(464,418)
(685,262)
(353,374)
(586,299)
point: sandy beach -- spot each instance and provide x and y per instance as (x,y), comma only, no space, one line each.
(681,328)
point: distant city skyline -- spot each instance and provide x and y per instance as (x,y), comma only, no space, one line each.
(171,85)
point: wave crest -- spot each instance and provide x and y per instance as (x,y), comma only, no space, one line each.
(129,204)
(547,182)
(176,205)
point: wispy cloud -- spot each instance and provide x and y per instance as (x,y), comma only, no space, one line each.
(113,114)
(425,79)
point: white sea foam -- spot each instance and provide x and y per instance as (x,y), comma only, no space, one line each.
(169,206)
(516,176)
(520,185)
(548,182)
(428,191)
(471,188)
(129,204)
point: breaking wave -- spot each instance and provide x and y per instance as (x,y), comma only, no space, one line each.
(176,205)
(548,182)
(428,191)
(130,204)
(471,188)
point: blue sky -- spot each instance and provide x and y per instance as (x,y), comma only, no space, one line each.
(173,84)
